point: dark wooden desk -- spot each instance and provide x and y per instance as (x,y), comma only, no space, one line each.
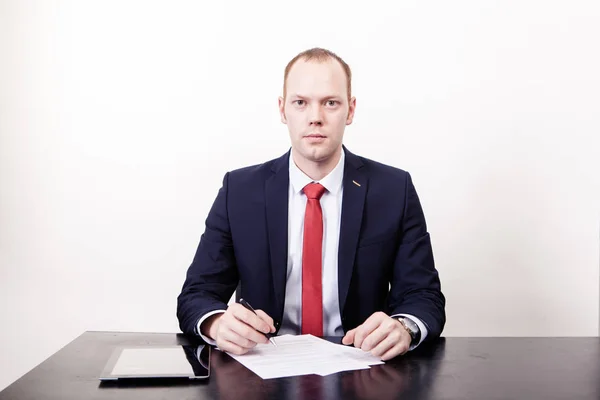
(453,368)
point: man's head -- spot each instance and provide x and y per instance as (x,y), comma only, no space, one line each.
(317,104)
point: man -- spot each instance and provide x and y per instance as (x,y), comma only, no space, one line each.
(319,240)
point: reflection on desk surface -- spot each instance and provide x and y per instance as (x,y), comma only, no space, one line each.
(395,379)
(452,368)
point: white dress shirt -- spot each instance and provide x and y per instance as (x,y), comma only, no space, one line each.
(331,206)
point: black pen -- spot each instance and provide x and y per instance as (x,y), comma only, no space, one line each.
(249,307)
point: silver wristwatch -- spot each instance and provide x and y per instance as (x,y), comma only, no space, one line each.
(412,328)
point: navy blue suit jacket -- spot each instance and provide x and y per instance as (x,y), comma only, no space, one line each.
(383,241)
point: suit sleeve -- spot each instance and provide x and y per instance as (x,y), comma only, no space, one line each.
(415,286)
(212,277)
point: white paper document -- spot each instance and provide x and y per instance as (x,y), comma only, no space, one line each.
(304,355)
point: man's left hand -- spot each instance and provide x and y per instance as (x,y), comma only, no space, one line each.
(382,335)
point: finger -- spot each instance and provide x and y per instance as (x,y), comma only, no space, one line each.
(362,332)
(231,328)
(231,347)
(375,320)
(379,334)
(247,331)
(237,339)
(249,318)
(386,344)
(367,327)
(397,350)
(265,317)
(359,336)
(349,336)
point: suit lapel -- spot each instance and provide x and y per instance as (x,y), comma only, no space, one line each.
(276,201)
(355,190)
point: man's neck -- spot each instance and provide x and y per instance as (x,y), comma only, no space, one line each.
(317,170)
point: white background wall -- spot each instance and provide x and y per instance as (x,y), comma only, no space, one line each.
(118,120)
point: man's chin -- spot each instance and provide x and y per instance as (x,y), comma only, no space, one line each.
(318,154)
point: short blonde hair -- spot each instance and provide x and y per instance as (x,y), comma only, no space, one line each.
(319,55)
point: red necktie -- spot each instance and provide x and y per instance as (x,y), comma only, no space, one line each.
(312,260)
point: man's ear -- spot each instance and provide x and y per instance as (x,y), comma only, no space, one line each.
(351,109)
(282,110)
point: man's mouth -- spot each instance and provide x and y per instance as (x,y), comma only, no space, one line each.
(315,138)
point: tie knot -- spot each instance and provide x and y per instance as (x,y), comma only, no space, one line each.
(314,190)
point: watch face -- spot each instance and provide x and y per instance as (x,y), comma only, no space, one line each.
(411,325)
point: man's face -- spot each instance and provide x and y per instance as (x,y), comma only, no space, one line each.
(316,109)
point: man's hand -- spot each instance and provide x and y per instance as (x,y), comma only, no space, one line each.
(382,335)
(238,329)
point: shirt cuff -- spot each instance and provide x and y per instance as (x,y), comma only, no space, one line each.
(419,323)
(204,317)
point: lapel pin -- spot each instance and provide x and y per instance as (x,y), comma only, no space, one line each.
(356,183)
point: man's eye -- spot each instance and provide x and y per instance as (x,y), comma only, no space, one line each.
(299,102)
(331,103)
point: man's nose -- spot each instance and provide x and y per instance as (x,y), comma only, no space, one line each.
(316,116)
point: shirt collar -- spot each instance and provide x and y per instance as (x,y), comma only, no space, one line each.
(332,182)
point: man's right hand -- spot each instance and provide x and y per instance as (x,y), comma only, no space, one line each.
(238,329)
